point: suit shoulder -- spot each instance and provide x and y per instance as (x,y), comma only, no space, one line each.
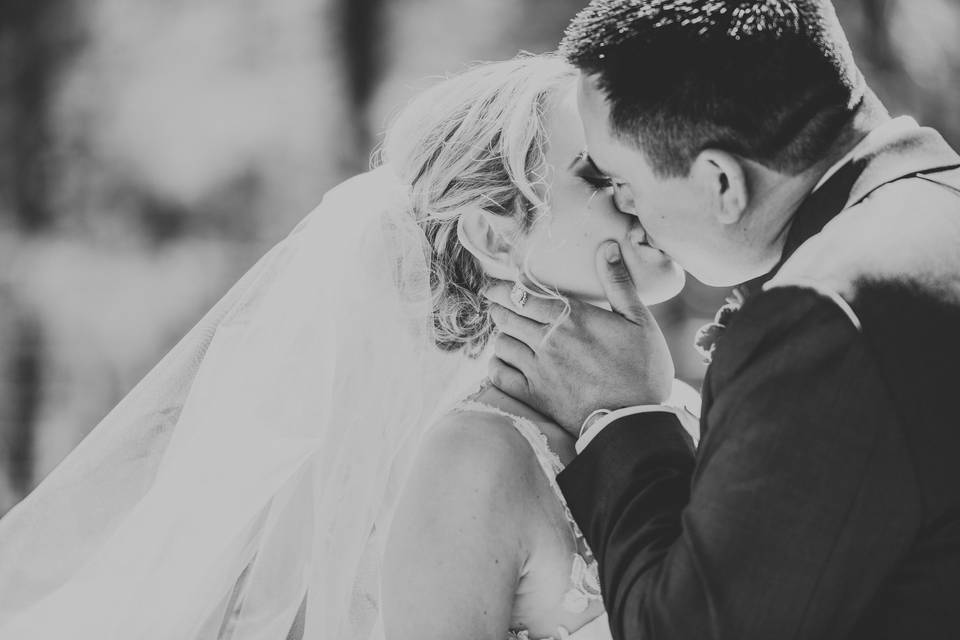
(906,232)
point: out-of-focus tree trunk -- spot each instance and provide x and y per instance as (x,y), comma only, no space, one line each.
(36,37)
(20,356)
(361,36)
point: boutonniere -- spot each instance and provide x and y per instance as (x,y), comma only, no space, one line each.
(709,334)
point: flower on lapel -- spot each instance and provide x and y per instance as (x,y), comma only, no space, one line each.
(709,334)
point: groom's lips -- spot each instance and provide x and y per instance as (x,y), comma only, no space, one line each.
(644,247)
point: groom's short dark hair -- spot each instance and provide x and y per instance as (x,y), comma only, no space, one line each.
(770,80)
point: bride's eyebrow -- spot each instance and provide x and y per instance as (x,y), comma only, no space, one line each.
(580,157)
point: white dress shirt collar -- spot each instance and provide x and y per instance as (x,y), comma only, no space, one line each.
(895,124)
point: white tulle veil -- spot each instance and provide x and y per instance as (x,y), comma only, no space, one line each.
(242,489)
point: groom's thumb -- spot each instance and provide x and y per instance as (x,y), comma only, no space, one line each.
(618,284)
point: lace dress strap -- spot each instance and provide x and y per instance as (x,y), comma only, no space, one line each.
(548,459)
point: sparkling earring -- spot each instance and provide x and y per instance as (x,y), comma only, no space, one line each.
(518,295)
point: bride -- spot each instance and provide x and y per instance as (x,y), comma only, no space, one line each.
(319,457)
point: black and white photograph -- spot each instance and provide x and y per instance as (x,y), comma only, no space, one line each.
(479,319)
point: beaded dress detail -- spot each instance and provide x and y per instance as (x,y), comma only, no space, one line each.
(584,587)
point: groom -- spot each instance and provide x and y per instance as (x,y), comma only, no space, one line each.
(824,498)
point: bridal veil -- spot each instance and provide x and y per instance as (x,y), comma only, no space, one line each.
(242,489)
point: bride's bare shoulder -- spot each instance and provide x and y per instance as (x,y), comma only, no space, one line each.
(475,468)
(469,495)
(465,510)
(480,449)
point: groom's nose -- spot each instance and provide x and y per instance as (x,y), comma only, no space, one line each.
(637,234)
(623,199)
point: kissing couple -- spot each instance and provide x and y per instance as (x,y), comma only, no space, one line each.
(441,408)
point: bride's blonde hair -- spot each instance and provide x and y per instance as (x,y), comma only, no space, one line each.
(477,139)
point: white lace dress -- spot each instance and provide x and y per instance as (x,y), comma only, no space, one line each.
(584,587)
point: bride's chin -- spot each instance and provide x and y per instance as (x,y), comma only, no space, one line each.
(657,285)
(662,284)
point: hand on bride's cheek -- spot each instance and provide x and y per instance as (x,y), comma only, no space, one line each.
(561,247)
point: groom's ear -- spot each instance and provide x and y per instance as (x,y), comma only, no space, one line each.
(483,234)
(723,176)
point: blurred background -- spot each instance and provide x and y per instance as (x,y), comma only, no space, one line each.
(152,151)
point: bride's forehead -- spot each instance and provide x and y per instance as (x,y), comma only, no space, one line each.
(563,127)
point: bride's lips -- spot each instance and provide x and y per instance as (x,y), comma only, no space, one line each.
(638,236)
(643,246)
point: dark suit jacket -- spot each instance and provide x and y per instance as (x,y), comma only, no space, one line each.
(824,498)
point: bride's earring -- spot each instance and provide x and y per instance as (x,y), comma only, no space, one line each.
(521,291)
(518,295)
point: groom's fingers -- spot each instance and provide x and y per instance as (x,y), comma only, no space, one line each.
(618,285)
(508,379)
(513,352)
(509,322)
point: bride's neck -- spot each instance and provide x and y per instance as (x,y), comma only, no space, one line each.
(492,396)
(558,440)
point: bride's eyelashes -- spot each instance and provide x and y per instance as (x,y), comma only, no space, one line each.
(597,182)
(584,170)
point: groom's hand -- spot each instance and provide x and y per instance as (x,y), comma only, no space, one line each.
(594,359)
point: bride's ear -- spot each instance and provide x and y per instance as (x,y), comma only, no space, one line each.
(723,175)
(483,235)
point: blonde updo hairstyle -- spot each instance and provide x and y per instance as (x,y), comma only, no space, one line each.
(476,139)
